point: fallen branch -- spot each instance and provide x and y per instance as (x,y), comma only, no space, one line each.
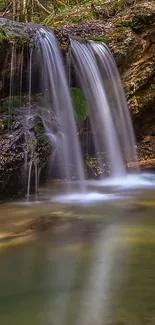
(149,163)
(43,8)
(6,10)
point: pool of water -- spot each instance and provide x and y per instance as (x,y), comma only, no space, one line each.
(95,265)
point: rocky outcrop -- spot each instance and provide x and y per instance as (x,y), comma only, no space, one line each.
(16,41)
(22,142)
(128,27)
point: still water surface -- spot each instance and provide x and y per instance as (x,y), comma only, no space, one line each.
(95,265)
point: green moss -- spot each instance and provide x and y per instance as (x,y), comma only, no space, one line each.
(40,136)
(3,35)
(20,40)
(2,31)
(101,38)
(12,32)
(38,128)
(14,102)
(79,103)
(91,162)
(136,17)
(25,40)
(121,21)
(121,3)
(122,28)
(119,34)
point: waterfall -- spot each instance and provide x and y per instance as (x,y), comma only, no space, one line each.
(109,115)
(58,108)
(12,68)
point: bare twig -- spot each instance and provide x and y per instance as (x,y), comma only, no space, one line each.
(43,8)
(4,13)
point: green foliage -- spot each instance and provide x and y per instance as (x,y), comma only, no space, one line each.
(72,14)
(102,38)
(79,103)
(14,102)
(121,3)
(40,135)
(3,35)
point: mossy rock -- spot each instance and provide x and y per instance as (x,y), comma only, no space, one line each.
(42,141)
(15,141)
(138,17)
(3,36)
(142,100)
(125,45)
(15,32)
(100,38)
(141,73)
(110,8)
(15,39)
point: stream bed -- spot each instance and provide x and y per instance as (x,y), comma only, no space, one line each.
(94,262)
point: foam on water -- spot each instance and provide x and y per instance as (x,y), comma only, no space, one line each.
(131,181)
(90,197)
(115,187)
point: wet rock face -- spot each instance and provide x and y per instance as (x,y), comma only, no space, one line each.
(97,168)
(21,141)
(139,15)
(16,41)
(11,159)
(16,144)
(146,148)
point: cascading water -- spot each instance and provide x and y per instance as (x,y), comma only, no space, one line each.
(30,78)
(54,85)
(109,115)
(31,140)
(12,68)
(102,87)
(117,100)
(21,75)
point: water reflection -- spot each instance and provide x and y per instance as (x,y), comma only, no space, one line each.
(95,264)
(100,285)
